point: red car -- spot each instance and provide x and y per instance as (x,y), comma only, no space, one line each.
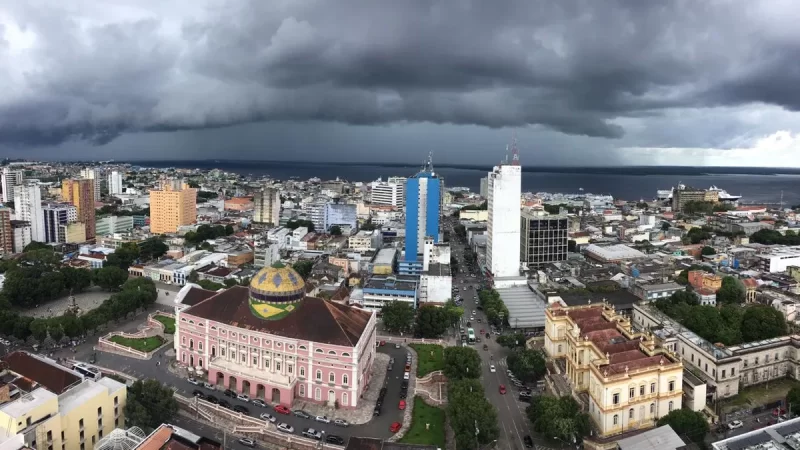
(481,331)
(502,388)
(395,427)
(280,409)
(402,404)
(383,343)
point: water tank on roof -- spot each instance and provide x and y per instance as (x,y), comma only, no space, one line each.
(635,273)
(735,263)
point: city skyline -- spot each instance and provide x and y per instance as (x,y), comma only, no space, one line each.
(580,83)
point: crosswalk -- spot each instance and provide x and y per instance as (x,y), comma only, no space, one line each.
(498,363)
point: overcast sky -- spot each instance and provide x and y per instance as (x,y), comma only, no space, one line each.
(591,82)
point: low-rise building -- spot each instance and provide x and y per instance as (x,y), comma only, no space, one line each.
(778,259)
(379,291)
(653,292)
(384,262)
(114,224)
(700,279)
(779,436)
(612,253)
(365,240)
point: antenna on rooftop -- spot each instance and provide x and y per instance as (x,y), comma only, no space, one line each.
(514,151)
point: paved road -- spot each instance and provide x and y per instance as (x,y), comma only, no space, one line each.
(378,427)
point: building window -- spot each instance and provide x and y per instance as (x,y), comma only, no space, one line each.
(559,348)
(319,350)
(344,398)
(670,407)
(244,357)
(733,371)
(319,375)
(331,352)
(345,379)
(222,351)
(317,394)
(616,419)
(723,373)
(331,378)
(641,390)
(615,399)
(302,390)
(278,366)
(191,344)
(345,354)
(302,347)
(289,368)
(266,364)
(200,346)
(278,344)
(652,388)
(631,392)
(671,386)
(652,408)
(183,340)
(255,360)
(302,371)
(630,413)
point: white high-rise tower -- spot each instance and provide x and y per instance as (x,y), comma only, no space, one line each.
(503,231)
(28,207)
(115,183)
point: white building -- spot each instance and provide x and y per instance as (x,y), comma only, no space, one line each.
(484,187)
(339,214)
(267,206)
(779,259)
(115,183)
(365,240)
(55,216)
(22,235)
(390,193)
(266,254)
(113,224)
(93,174)
(11,179)
(503,229)
(435,281)
(28,207)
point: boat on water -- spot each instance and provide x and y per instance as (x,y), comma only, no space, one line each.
(724,196)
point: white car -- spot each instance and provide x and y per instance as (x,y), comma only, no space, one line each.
(243,397)
(208,386)
(396,345)
(735,424)
(267,416)
(193,381)
(406,376)
(492,369)
(285,427)
(322,419)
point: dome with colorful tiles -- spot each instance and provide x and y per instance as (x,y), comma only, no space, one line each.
(275,291)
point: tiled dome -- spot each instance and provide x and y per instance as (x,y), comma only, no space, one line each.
(274,290)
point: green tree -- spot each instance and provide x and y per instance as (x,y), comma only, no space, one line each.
(528,365)
(35,245)
(144,287)
(303,268)
(453,312)
(123,256)
(150,404)
(110,278)
(461,362)
(193,277)
(229,230)
(793,399)
(336,230)
(38,329)
(209,285)
(76,279)
(560,417)
(398,317)
(297,223)
(230,282)
(512,341)
(706,251)
(56,331)
(762,322)
(467,409)
(732,291)
(72,325)
(431,322)
(152,248)
(686,422)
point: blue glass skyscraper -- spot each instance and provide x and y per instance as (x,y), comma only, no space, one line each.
(423,212)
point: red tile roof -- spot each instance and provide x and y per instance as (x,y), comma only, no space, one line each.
(315,319)
(49,375)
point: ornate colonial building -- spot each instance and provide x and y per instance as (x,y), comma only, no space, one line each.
(272,342)
(629,381)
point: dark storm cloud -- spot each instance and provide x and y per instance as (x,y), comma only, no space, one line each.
(571,66)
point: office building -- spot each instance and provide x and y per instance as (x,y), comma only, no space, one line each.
(544,237)
(343,215)
(81,194)
(6,232)
(10,179)
(50,406)
(291,338)
(484,190)
(389,193)
(28,207)
(503,227)
(115,183)
(423,212)
(96,176)
(22,235)
(779,259)
(267,205)
(173,205)
(683,194)
(72,233)
(630,381)
(56,215)
(114,224)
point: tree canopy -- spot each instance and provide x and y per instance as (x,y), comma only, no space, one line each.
(707,251)
(461,362)
(206,232)
(560,417)
(110,278)
(793,399)
(762,322)
(770,237)
(152,248)
(303,268)
(469,412)
(686,422)
(297,223)
(732,291)
(493,306)
(431,322)
(336,230)
(398,317)
(528,365)
(512,341)
(150,404)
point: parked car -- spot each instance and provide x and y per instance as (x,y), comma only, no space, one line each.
(735,424)
(377,411)
(229,393)
(406,376)
(247,442)
(212,399)
(199,394)
(524,397)
(383,343)
(208,386)
(224,404)
(502,389)
(402,405)
(403,394)
(268,416)
(241,409)
(243,397)
(341,423)
(259,402)
(193,381)
(323,419)
(396,345)
(395,427)
(312,433)
(334,439)
(302,414)
(485,347)
(280,409)
(285,427)
(528,441)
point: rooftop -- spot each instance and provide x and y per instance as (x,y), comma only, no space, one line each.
(525,309)
(661,438)
(438,270)
(614,252)
(385,256)
(781,436)
(46,372)
(24,404)
(313,319)
(398,283)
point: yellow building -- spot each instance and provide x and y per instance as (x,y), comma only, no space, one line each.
(53,407)
(172,206)
(630,382)
(72,233)
(478,215)
(80,193)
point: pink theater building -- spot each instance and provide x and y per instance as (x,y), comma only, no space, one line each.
(272,342)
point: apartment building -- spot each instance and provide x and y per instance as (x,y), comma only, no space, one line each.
(630,381)
(544,237)
(365,240)
(267,206)
(56,215)
(6,232)
(389,193)
(53,407)
(96,176)
(173,205)
(80,193)
(114,224)
(10,179)
(28,207)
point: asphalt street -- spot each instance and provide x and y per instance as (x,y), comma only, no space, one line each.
(378,427)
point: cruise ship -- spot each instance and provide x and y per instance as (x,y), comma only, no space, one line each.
(724,196)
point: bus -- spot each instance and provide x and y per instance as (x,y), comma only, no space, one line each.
(87,371)
(471,335)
